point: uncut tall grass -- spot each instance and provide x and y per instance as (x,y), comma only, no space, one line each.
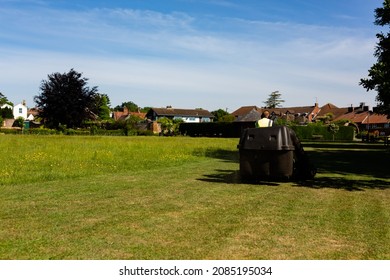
(31,159)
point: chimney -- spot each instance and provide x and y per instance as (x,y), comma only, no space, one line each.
(125,110)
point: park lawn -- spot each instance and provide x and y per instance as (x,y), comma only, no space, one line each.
(182,198)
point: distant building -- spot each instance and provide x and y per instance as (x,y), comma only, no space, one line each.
(20,110)
(247,114)
(187,115)
(119,115)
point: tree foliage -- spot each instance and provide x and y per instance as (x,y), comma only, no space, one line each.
(169,126)
(333,128)
(130,105)
(379,73)
(19,122)
(274,100)
(221,115)
(101,106)
(6,113)
(65,99)
(4,100)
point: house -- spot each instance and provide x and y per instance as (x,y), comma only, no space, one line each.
(301,114)
(247,113)
(361,116)
(118,115)
(187,115)
(20,110)
(32,114)
(333,110)
(366,120)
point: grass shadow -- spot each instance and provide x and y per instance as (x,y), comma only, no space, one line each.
(217,153)
(372,163)
(231,177)
(343,184)
(351,165)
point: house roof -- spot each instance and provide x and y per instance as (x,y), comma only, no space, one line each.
(173,112)
(252,116)
(20,105)
(33,111)
(363,117)
(242,111)
(358,115)
(124,115)
(333,109)
(376,118)
(293,110)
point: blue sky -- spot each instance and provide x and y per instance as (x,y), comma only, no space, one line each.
(192,53)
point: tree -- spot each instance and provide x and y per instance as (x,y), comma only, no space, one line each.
(379,73)
(101,106)
(6,113)
(274,100)
(130,105)
(65,99)
(19,122)
(333,128)
(4,100)
(221,115)
(169,127)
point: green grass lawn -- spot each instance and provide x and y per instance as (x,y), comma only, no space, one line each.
(181,198)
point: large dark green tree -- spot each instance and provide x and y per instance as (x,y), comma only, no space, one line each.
(65,99)
(379,73)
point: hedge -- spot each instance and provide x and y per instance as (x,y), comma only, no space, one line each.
(235,129)
(321,132)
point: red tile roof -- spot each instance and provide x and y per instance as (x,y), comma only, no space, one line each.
(123,115)
(365,117)
(242,111)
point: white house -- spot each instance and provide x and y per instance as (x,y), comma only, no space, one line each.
(20,110)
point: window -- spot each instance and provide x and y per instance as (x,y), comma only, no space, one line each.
(20,110)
